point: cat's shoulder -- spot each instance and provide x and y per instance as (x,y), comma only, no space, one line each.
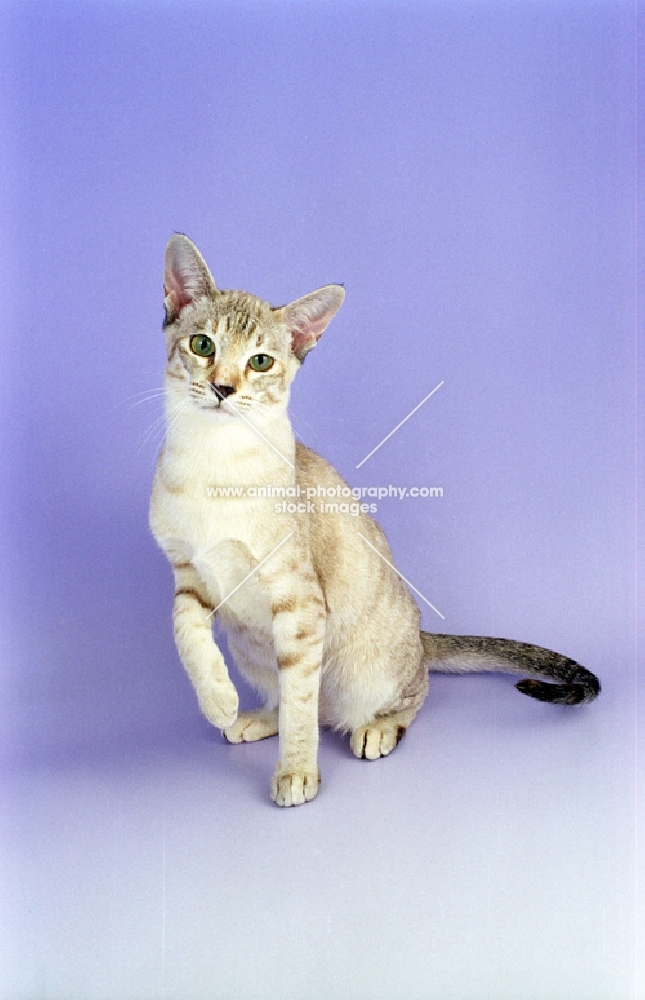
(313,469)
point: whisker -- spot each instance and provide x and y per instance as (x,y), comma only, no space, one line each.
(151,393)
(148,399)
(150,431)
(183,404)
(159,431)
(157,425)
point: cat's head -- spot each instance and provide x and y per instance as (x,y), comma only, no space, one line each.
(229,353)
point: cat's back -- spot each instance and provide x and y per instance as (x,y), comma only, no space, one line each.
(312,470)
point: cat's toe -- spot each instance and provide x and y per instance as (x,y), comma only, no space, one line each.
(294,788)
(252,726)
(377,740)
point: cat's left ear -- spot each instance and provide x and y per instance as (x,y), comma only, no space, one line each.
(307,318)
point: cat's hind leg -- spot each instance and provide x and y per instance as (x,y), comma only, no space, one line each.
(379,737)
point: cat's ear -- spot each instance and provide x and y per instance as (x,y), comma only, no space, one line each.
(186,276)
(307,318)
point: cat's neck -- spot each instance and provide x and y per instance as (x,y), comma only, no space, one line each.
(231,451)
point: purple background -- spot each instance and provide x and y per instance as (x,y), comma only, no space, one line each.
(468,171)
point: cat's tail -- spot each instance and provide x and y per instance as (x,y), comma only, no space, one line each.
(567,682)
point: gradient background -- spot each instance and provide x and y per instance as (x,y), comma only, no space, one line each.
(468,171)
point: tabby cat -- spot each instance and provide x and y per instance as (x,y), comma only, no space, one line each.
(315,616)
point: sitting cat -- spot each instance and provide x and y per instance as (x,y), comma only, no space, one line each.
(316,619)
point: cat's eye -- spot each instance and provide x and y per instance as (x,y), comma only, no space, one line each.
(261,362)
(202,346)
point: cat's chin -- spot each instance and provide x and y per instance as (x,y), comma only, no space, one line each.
(218,413)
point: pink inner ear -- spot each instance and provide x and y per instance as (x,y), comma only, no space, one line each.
(186,275)
(177,283)
(303,340)
(176,290)
(309,317)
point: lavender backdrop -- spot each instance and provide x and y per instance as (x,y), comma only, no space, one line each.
(468,171)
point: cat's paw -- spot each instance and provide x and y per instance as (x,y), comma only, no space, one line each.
(376,740)
(219,703)
(294,788)
(254,725)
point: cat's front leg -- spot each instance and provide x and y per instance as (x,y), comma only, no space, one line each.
(298,628)
(201,657)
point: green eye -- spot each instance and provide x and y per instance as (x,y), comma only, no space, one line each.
(202,346)
(261,362)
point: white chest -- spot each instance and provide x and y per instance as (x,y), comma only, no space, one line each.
(207,507)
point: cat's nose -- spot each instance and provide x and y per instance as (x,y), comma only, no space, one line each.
(222,391)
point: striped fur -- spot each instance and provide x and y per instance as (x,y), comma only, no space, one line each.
(317,622)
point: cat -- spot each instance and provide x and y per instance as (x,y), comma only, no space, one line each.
(315,615)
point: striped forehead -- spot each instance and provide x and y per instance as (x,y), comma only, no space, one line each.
(238,328)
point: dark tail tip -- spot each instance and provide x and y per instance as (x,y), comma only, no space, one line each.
(583,688)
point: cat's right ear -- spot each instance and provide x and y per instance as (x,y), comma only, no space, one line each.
(186,276)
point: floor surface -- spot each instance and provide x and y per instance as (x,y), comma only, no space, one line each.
(491,856)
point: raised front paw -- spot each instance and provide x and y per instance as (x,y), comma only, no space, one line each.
(254,725)
(293,788)
(219,703)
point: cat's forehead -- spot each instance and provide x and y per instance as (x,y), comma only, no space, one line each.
(240,306)
(238,317)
